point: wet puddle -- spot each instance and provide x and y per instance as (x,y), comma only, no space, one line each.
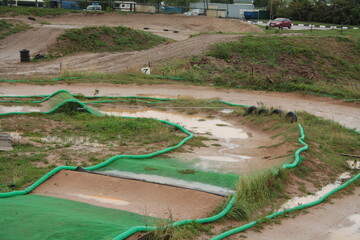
(170,181)
(214,127)
(9,109)
(226,111)
(313,197)
(350,231)
(81,142)
(230,143)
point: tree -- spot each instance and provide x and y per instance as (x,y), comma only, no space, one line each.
(274,6)
(222,1)
(260,3)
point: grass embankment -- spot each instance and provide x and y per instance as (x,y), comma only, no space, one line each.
(7,28)
(278,63)
(47,141)
(104,39)
(40,12)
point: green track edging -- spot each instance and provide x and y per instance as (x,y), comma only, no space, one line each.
(276,214)
(296,162)
(133,230)
(57,169)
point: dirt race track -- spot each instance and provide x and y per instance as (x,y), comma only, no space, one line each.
(144,198)
(40,36)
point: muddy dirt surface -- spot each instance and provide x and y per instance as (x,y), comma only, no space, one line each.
(40,36)
(129,195)
(35,40)
(112,62)
(234,147)
(335,110)
(156,23)
(337,220)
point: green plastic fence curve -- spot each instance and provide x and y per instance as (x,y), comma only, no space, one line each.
(276,214)
(297,160)
(141,228)
(227,208)
(216,217)
(90,110)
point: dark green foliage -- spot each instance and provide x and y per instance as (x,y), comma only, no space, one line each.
(338,12)
(260,3)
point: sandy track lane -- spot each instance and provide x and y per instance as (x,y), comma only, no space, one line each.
(129,195)
(35,39)
(345,114)
(118,62)
(337,221)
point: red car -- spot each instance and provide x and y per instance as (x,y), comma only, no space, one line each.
(281,23)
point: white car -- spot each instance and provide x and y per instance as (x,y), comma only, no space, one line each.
(195,12)
(94,8)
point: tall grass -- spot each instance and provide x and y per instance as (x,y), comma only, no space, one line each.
(278,63)
(256,193)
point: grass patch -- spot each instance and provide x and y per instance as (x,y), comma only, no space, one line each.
(254,193)
(262,193)
(7,28)
(278,63)
(40,12)
(104,39)
(82,139)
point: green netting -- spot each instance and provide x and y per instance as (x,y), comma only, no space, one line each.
(57,218)
(65,99)
(172,168)
(40,217)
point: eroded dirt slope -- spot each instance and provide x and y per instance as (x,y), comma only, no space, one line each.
(115,62)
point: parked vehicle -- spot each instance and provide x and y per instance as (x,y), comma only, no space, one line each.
(195,12)
(94,7)
(281,23)
(24,3)
(64,4)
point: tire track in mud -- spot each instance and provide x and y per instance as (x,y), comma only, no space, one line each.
(35,39)
(346,114)
(117,62)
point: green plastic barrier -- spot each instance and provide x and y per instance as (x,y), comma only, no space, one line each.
(218,216)
(298,158)
(276,214)
(66,98)
(296,162)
